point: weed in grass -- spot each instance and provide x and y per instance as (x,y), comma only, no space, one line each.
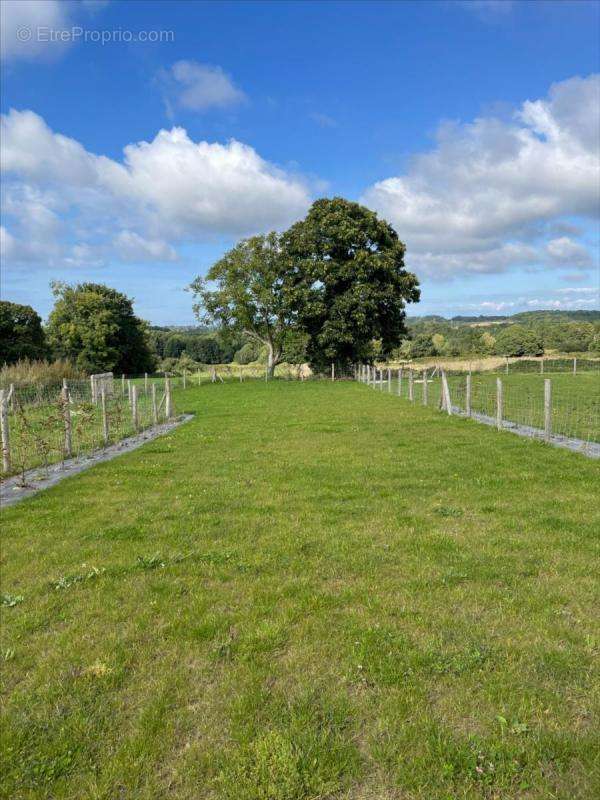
(150,562)
(66,581)
(11,600)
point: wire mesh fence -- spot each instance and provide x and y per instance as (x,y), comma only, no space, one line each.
(44,425)
(553,406)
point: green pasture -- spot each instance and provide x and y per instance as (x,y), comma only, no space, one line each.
(312,590)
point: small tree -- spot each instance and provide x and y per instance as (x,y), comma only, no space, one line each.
(21,334)
(258,293)
(95,327)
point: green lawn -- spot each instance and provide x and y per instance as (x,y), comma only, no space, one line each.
(312,590)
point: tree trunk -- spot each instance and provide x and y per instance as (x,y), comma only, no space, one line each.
(273,358)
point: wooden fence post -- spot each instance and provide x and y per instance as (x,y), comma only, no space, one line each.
(123,384)
(241,378)
(129,391)
(145,383)
(468,396)
(574,366)
(425,387)
(399,381)
(5,432)
(332,371)
(93,388)
(168,405)
(547,408)
(199,378)
(410,385)
(381,380)
(184,378)
(447,400)
(499,403)
(67,419)
(506,365)
(542,366)
(104,415)
(134,407)
(154,407)
(389,376)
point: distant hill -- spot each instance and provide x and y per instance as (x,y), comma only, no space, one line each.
(523,317)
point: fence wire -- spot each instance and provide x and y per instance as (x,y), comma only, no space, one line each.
(44,425)
(546,405)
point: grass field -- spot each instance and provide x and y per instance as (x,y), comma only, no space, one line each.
(312,590)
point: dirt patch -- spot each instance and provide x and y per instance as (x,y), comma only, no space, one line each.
(13,491)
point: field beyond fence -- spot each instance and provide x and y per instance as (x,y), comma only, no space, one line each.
(553,405)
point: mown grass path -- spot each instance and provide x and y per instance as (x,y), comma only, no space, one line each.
(309,591)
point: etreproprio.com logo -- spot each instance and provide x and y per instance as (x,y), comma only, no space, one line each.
(94,35)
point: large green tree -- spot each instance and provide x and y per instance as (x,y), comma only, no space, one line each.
(21,333)
(255,290)
(95,327)
(353,263)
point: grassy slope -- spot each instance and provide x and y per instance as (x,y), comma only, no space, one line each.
(359,599)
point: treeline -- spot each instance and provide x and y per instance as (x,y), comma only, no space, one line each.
(537,333)
(92,328)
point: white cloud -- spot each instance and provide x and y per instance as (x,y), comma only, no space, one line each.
(566,252)
(132,247)
(198,87)
(164,192)
(25,26)
(19,22)
(482,199)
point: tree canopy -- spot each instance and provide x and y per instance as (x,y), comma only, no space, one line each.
(258,292)
(21,333)
(95,327)
(323,290)
(354,264)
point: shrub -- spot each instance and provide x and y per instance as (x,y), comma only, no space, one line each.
(25,372)
(248,353)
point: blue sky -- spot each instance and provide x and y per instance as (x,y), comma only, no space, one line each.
(471,126)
